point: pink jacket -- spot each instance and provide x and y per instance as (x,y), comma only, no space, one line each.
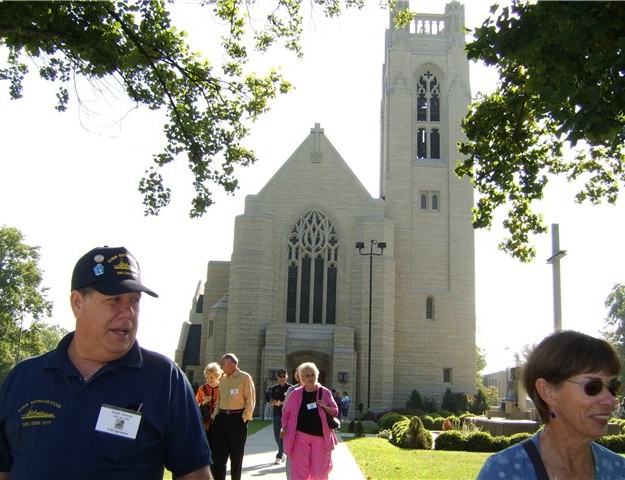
(291,410)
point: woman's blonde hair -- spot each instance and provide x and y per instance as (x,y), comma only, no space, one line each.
(215,369)
(308,366)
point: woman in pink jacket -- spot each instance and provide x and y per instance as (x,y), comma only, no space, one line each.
(308,441)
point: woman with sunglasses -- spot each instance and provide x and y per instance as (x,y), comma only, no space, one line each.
(572,380)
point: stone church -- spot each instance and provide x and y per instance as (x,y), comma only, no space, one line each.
(297,287)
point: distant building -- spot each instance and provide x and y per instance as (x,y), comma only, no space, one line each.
(498,380)
(297,289)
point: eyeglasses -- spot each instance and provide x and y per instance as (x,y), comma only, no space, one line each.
(594,387)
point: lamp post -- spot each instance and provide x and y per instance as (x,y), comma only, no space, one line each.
(360,246)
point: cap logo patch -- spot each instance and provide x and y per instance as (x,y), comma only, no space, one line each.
(98,258)
(98,270)
(124,265)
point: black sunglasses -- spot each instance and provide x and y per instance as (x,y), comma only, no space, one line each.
(282,376)
(594,387)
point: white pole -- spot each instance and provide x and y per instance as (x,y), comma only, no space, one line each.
(555,262)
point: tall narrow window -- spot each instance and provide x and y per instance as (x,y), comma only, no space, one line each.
(429,308)
(428,113)
(447,378)
(422,143)
(424,201)
(435,144)
(434,201)
(312,268)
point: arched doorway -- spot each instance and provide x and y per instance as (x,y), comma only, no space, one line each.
(322,360)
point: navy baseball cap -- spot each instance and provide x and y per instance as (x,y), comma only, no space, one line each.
(110,271)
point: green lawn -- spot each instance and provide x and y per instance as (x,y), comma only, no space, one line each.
(378,460)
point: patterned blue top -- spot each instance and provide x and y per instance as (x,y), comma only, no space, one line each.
(513,463)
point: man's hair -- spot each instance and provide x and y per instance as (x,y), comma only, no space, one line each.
(230,356)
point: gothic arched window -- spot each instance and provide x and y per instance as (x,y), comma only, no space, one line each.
(312,270)
(428,113)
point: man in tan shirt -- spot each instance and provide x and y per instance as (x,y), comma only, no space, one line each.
(237,399)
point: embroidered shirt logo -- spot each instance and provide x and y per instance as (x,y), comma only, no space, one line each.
(40,412)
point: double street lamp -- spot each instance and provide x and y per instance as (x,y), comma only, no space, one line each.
(360,246)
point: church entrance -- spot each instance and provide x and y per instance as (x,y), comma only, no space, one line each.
(323,362)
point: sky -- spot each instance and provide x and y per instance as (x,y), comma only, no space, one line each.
(68,182)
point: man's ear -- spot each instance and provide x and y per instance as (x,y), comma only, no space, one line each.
(76,300)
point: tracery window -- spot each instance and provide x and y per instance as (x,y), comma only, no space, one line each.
(312,270)
(428,117)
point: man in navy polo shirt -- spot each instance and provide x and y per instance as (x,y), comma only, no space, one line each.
(99,406)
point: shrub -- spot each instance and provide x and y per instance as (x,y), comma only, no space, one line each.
(370,426)
(428,422)
(476,441)
(455,402)
(429,404)
(386,434)
(480,442)
(411,434)
(478,404)
(463,417)
(437,423)
(616,443)
(359,430)
(415,401)
(451,440)
(387,420)
(350,427)
(517,438)
(452,423)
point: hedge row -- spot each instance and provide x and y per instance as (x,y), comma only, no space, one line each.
(407,433)
(484,442)
(476,441)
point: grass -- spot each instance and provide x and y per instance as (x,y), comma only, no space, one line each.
(252,428)
(379,459)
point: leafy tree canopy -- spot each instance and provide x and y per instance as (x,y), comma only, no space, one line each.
(562,71)
(614,331)
(22,296)
(208,106)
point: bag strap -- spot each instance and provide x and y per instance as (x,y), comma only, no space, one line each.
(539,466)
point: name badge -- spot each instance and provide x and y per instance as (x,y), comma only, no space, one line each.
(234,391)
(118,421)
(311,406)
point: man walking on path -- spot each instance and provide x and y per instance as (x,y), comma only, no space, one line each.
(276,394)
(237,399)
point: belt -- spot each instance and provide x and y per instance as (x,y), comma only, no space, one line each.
(229,412)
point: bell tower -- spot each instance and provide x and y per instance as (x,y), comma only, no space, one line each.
(426,92)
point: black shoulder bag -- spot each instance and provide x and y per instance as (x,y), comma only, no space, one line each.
(333,422)
(539,466)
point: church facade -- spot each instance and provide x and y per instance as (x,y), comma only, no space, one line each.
(297,289)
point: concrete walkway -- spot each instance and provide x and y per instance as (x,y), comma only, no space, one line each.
(260,457)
